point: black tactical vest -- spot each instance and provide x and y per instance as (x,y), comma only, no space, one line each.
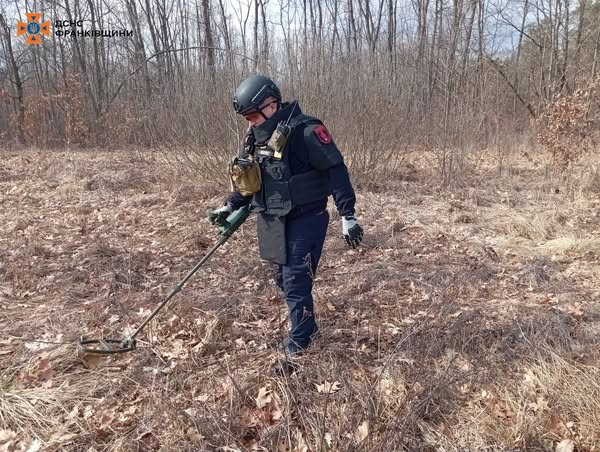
(281,191)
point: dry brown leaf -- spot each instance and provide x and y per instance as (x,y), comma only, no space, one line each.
(328,439)
(34,446)
(362,432)
(44,370)
(302,448)
(9,446)
(264,397)
(6,436)
(276,414)
(301,443)
(63,440)
(566,445)
(251,417)
(144,312)
(501,409)
(105,423)
(10,443)
(267,415)
(41,372)
(555,427)
(92,360)
(530,380)
(575,310)
(282,446)
(88,412)
(328,388)
(177,350)
(202,398)
(191,412)
(127,417)
(540,404)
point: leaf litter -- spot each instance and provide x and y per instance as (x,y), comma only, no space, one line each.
(388,310)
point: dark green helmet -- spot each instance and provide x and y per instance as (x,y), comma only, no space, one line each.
(252,92)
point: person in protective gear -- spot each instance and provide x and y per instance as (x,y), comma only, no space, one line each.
(300,167)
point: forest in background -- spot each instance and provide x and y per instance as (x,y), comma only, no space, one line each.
(386,76)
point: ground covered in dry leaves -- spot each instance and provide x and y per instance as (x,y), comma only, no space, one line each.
(469,319)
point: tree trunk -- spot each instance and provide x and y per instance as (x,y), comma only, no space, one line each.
(256,51)
(519,50)
(226,36)
(580,25)
(138,46)
(565,49)
(210,52)
(17,82)
(265,47)
(596,55)
(80,58)
(155,42)
(353,31)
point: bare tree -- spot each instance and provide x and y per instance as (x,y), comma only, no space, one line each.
(16,77)
(443,68)
(256,22)
(210,52)
(265,33)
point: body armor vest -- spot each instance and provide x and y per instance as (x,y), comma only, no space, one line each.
(281,191)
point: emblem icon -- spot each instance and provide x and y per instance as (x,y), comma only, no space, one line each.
(33,28)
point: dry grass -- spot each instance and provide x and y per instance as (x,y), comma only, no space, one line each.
(572,244)
(467,321)
(554,400)
(34,410)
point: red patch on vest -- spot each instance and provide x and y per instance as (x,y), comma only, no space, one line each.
(323,134)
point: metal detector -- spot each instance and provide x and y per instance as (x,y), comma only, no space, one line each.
(128,344)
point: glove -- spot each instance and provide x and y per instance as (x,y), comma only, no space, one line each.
(352,231)
(218,216)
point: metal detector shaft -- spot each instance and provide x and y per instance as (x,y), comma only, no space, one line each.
(229,226)
(109,346)
(176,289)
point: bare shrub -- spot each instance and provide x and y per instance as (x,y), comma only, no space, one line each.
(568,127)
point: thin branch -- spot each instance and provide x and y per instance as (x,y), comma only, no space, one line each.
(141,65)
(525,103)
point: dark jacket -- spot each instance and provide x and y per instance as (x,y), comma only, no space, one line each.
(309,150)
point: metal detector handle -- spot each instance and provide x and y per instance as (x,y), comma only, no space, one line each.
(233,222)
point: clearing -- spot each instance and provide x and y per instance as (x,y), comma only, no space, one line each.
(469,319)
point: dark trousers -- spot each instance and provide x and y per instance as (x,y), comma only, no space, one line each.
(305,236)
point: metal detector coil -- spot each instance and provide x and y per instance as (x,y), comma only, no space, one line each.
(107,346)
(110,346)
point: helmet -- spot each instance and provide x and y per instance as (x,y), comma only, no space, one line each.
(252,92)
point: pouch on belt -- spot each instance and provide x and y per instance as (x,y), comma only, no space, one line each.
(244,174)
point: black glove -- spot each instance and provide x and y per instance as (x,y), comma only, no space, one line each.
(218,216)
(353,233)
